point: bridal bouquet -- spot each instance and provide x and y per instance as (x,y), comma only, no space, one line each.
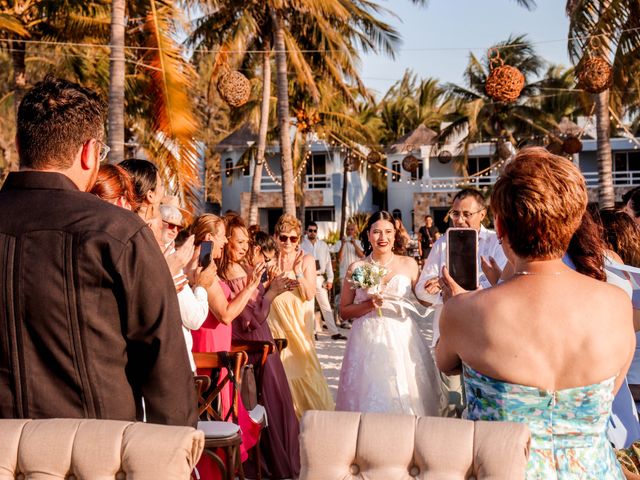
(369,278)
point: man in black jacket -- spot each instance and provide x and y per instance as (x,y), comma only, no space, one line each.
(89,318)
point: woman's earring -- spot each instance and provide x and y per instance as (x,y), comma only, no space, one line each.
(500,240)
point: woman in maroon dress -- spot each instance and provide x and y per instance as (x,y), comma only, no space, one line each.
(279,443)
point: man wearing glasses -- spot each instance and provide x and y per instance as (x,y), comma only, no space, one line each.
(90,324)
(320,251)
(467,211)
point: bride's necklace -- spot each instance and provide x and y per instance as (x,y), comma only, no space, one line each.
(383,265)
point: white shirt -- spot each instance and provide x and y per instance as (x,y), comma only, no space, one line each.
(488,246)
(319,251)
(349,254)
(194,309)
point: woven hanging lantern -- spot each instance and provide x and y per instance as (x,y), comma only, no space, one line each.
(595,75)
(410,163)
(505,82)
(555,146)
(234,88)
(374,157)
(572,145)
(445,156)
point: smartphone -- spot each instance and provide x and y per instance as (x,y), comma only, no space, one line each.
(265,276)
(205,254)
(462,256)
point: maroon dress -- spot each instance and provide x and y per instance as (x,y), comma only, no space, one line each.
(279,444)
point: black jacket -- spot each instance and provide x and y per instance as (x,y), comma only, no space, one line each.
(89,317)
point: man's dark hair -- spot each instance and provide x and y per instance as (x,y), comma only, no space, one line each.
(144,175)
(55,118)
(470,192)
(311,224)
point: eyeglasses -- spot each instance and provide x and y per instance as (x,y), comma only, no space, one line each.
(171,226)
(104,150)
(284,238)
(467,215)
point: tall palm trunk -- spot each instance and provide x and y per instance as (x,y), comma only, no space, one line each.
(262,134)
(286,161)
(116,82)
(345,189)
(18,62)
(606,196)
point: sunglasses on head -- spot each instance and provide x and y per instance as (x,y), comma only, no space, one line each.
(292,239)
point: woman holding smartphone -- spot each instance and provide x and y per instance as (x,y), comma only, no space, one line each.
(287,320)
(548,347)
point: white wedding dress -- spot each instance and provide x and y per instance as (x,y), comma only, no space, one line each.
(388,366)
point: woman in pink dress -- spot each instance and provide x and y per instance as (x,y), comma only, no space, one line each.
(215,333)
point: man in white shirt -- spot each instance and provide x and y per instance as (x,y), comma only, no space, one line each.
(320,251)
(468,210)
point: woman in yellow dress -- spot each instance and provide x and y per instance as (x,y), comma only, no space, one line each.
(286,319)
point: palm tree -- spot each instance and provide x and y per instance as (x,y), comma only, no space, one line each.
(117,81)
(478,117)
(615,23)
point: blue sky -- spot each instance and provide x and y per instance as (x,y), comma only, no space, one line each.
(437,39)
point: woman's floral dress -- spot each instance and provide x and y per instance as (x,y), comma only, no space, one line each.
(568,439)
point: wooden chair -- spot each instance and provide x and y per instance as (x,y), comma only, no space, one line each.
(219,433)
(281,343)
(257,414)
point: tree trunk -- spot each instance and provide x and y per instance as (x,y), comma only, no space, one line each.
(262,135)
(18,56)
(286,161)
(343,214)
(606,196)
(116,82)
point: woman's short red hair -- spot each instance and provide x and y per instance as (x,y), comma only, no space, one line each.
(539,201)
(114,182)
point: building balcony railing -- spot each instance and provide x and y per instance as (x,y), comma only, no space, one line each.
(452,184)
(312,182)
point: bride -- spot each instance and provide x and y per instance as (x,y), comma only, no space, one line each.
(387,366)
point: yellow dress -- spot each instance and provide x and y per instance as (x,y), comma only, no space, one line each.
(308,386)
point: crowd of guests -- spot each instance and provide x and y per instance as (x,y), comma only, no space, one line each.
(548,340)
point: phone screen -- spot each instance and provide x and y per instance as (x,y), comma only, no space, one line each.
(265,276)
(462,257)
(205,254)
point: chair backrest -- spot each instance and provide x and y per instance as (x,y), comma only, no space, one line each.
(62,448)
(340,445)
(208,394)
(263,348)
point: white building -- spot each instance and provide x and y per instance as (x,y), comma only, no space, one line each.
(431,188)
(323,175)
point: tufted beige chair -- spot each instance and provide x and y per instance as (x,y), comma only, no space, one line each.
(374,446)
(96,450)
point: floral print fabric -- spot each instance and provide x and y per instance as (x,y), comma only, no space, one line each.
(568,440)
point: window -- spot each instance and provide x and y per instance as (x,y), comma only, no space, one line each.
(228,167)
(478,164)
(395,176)
(319,214)
(626,161)
(397,214)
(419,173)
(246,169)
(317,164)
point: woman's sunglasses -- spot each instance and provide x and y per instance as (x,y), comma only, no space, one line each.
(284,238)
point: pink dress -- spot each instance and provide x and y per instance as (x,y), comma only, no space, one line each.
(215,336)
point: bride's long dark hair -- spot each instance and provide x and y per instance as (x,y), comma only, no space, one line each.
(364,235)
